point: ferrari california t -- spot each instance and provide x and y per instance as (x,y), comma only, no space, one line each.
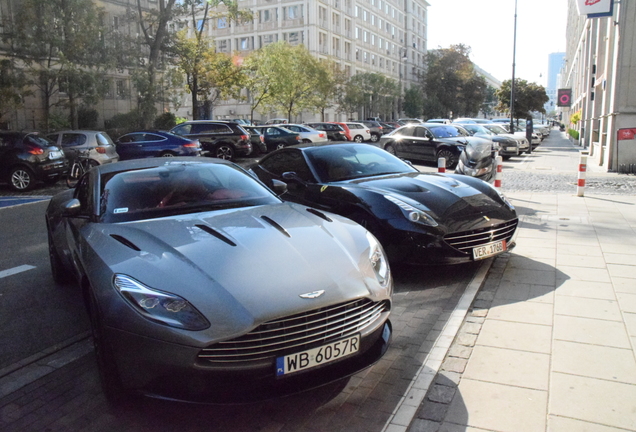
(419,218)
(202,285)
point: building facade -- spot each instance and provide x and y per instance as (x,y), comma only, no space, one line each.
(555,63)
(600,70)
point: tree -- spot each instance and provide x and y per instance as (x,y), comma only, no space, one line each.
(413,102)
(329,86)
(62,46)
(372,93)
(451,86)
(528,97)
(12,87)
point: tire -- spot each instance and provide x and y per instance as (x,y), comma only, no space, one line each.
(375,138)
(166,154)
(74,174)
(390,149)
(280,146)
(224,151)
(358,139)
(451,158)
(307,141)
(108,374)
(58,271)
(21,179)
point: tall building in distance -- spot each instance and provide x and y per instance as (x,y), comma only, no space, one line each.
(555,63)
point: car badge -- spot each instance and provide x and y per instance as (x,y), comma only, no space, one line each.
(312,295)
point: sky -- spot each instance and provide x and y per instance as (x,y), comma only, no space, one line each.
(487,27)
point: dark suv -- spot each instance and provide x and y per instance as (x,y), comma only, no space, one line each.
(220,139)
(26,158)
(334,131)
(376,129)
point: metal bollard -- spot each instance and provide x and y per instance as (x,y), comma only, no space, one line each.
(441,165)
(581,182)
(499,172)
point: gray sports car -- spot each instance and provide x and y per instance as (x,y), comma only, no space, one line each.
(202,285)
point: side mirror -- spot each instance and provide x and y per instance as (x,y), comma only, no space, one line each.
(292,176)
(72,208)
(279,187)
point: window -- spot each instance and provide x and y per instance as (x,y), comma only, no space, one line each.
(221,23)
(244,43)
(222,45)
(122,89)
(293,12)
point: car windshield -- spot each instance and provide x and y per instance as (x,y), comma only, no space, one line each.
(496,129)
(38,140)
(178,188)
(477,129)
(336,163)
(447,131)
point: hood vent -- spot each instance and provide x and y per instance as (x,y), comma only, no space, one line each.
(319,214)
(216,234)
(126,242)
(276,225)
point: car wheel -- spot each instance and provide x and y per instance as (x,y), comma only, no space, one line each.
(369,222)
(225,151)
(307,141)
(21,179)
(166,154)
(451,158)
(280,146)
(389,148)
(108,374)
(358,138)
(375,138)
(58,271)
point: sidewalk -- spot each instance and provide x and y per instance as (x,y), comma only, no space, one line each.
(550,342)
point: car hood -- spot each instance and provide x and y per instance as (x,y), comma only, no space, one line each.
(240,268)
(455,204)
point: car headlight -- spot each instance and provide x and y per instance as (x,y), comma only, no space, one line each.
(473,172)
(378,260)
(160,306)
(411,213)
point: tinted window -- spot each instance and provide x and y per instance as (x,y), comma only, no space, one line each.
(288,161)
(103,139)
(38,140)
(210,128)
(73,139)
(183,129)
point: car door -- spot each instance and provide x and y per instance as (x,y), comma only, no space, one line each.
(130,146)
(422,145)
(72,143)
(402,141)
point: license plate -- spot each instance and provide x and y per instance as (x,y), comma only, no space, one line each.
(55,155)
(317,356)
(511,148)
(489,249)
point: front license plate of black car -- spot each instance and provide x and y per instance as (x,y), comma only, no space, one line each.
(317,356)
(489,250)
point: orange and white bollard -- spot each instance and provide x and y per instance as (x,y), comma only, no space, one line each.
(580,186)
(499,171)
(441,165)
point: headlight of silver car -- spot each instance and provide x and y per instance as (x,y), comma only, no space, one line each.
(378,260)
(411,213)
(160,306)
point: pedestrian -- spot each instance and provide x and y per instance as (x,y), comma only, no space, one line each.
(529,130)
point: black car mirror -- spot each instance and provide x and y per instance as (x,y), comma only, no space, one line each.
(279,187)
(292,176)
(72,208)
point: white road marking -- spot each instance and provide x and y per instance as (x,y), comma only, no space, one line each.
(15,270)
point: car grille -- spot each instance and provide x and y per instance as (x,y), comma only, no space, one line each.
(467,240)
(297,332)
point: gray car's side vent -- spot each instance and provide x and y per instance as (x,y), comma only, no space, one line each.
(216,234)
(320,214)
(126,242)
(275,225)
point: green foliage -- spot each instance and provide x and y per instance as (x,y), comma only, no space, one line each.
(120,124)
(87,118)
(451,84)
(576,117)
(573,133)
(165,121)
(12,87)
(529,97)
(58,121)
(413,102)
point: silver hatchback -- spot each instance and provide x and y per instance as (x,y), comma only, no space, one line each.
(101,146)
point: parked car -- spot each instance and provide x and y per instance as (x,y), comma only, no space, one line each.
(375,128)
(334,131)
(276,121)
(507,145)
(359,132)
(145,144)
(278,137)
(478,160)
(346,130)
(404,121)
(521,132)
(427,142)
(307,133)
(522,142)
(419,218)
(27,158)
(220,139)
(388,127)
(257,140)
(160,249)
(442,121)
(471,121)
(101,147)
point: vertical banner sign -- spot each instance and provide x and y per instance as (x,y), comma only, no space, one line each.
(564,97)
(595,8)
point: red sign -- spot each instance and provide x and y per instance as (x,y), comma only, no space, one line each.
(626,134)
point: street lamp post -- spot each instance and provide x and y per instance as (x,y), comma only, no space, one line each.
(403,58)
(512,84)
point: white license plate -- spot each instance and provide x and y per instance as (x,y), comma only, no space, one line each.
(511,148)
(317,356)
(55,155)
(489,249)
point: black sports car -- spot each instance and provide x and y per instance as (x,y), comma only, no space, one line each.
(201,284)
(418,217)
